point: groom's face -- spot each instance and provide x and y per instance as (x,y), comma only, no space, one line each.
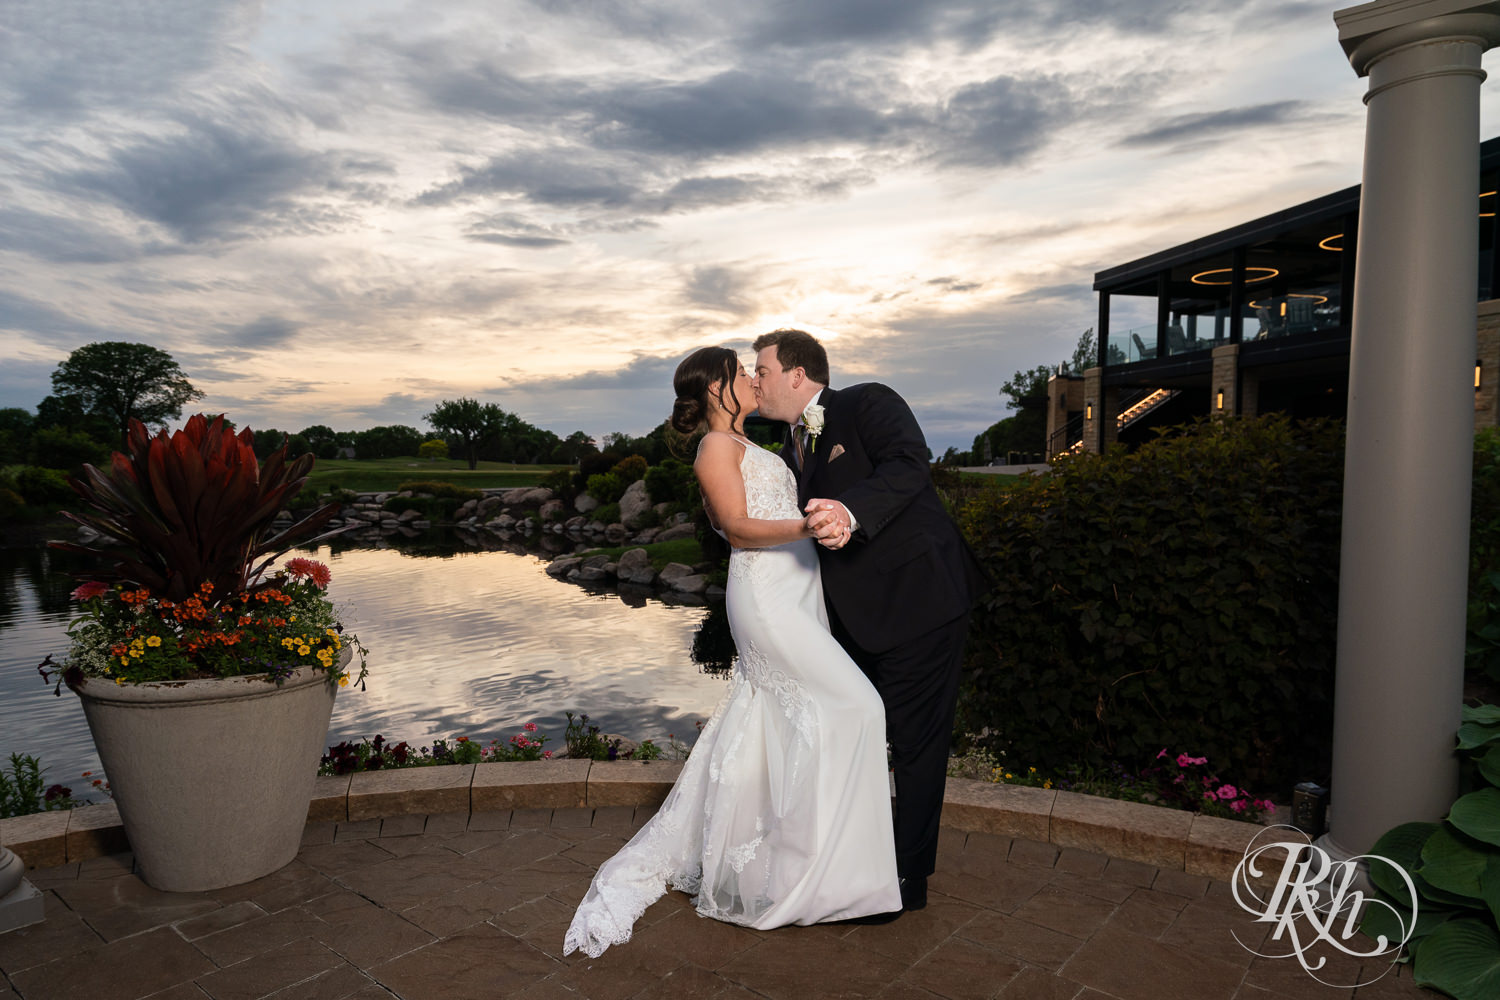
(775,390)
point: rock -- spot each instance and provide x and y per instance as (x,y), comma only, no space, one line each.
(646,536)
(595,561)
(695,583)
(409,515)
(634,503)
(489,505)
(714,592)
(529,495)
(589,574)
(673,571)
(562,567)
(420,525)
(583,503)
(616,533)
(635,567)
(612,569)
(465,510)
(550,510)
(661,509)
(596,527)
(677,531)
(503,521)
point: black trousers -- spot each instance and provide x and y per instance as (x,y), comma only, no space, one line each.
(918,682)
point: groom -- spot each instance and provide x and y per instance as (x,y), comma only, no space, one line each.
(898,579)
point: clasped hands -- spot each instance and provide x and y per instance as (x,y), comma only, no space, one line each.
(828,522)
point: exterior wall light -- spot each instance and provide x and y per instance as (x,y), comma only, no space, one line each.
(1477,367)
(1209,277)
(1219,400)
(1088,410)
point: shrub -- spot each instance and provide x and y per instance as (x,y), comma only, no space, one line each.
(630,469)
(671,482)
(608,513)
(11,505)
(433,449)
(1455,938)
(41,486)
(563,482)
(607,488)
(1181,595)
(447,491)
(1483,646)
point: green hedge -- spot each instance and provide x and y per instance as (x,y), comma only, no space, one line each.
(1484,559)
(1181,596)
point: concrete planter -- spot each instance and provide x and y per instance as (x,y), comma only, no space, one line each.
(212,777)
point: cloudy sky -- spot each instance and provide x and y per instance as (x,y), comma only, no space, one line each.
(343,211)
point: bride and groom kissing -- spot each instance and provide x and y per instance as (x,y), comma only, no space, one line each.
(848,597)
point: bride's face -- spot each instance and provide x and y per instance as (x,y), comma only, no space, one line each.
(744,392)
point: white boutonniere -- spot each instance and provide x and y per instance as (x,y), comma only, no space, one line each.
(812,420)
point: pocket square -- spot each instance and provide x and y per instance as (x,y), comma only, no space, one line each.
(838,450)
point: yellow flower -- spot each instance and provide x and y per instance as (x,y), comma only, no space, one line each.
(1047,783)
(288,643)
(344,681)
(1031,770)
(154,640)
(303,650)
(124,661)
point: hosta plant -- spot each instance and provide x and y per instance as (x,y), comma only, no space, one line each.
(184,539)
(1455,866)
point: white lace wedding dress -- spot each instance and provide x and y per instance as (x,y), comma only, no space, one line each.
(782,813)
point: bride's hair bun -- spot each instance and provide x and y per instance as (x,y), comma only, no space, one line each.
(705,367)
(687,414)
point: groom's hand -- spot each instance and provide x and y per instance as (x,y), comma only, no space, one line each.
(828,521)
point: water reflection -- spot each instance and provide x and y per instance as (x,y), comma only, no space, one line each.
(461,642)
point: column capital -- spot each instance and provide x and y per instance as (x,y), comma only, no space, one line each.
(1372,30)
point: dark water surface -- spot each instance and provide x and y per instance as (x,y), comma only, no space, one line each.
(474,644)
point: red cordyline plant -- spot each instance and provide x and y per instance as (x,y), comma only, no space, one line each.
(179,510)
(186,532)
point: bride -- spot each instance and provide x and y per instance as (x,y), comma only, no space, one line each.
(782,813)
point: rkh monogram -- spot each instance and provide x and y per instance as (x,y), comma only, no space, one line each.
(1313,902)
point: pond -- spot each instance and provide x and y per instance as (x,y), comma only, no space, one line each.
(462,643)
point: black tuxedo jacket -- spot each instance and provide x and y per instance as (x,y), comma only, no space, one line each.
(907,570)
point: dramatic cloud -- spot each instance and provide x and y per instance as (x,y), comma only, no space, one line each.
(341,212)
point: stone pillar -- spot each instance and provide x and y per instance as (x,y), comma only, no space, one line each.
(1407,472)
(1225,382)
(1093,410)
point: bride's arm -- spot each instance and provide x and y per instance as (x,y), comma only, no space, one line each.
(723,485)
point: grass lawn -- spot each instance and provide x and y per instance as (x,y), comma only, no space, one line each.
(383,474)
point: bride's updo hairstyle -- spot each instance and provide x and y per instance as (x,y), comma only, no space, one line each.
(697,373)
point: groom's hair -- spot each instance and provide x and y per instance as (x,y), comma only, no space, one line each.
(797,349)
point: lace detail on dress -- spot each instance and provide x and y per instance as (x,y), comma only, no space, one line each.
(770,493)
(794,701)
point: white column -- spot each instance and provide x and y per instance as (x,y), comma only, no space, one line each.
(1404,561)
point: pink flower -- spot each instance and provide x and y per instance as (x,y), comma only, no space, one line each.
(546,755)
(89,590)
(1209,796)
(1183,760)
(1227,792)
(1265,804)
(530,727)
(309,569)
(1161,753)
(1238,805)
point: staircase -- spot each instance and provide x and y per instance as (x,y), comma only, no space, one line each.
(1137,404)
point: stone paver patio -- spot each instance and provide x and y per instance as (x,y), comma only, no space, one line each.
(460,905)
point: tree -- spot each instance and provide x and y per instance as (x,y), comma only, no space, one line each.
(1085,353)
(467,420)
(434,450)
(121,381)
(321,440)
